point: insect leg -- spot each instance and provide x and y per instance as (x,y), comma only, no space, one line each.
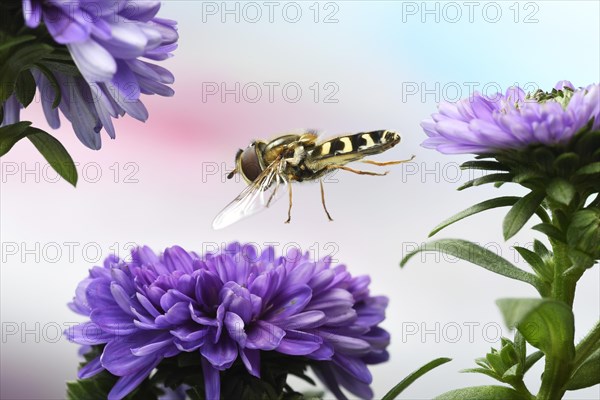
(383,164)
(290,207)
(323,200)
(356,171)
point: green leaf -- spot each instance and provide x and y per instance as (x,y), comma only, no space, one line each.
(11,134)
(25,87)
(551,231)
(495,361)
(477,208)
(541,250)
(520,213)
(84,389)
(590,169)
(483,371)
(588,374)
(512,374)
(484,165)
(521,350)
(566,163)
(545,323)
(476,254)
(561,190)
(399,388)
(536,262)
(491,178)
(67,68)
(52,150)
(55,153)
(53,82)
(21,59)
(587,346)
(482,393)
(16,41)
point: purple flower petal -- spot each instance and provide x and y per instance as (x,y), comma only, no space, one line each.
(225,305)
(297,343)
(291,301)
(264,336)
(483,125)
(221,354)
(212,381)
(94,61)
(32,12)
(67,27)
(88,333)
(118,358)
(90,369)
(251,359)
(126,384)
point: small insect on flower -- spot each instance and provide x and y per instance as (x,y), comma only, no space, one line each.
(268,166)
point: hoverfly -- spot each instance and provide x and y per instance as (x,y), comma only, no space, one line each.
(267,167)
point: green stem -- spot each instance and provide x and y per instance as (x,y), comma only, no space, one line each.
(521,388)
(563,288)
(556,375)
(557,371)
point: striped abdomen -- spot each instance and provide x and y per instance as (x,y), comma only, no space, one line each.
(365,143)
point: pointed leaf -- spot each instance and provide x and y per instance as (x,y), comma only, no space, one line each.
(55,153)
(482,393)
(521,350)
(588,345)
(483,371)
(21,59)
(520,213)
(25,87)
(588,374)
(16,41)
(561,191)
(484,165)
(478,255)
(541,250)
(53,82)
(11,134)
(477,208)
(545,323)
(491,178)
(551,231)
(536,263)
(399,388)
(512,374)
(590,169)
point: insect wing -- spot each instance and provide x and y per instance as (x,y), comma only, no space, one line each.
(264,191)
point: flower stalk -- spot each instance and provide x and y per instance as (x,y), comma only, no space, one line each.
(549,143)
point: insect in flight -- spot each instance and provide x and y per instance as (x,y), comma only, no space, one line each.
(267,167)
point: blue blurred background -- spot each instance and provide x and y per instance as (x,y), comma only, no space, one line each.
(248,70)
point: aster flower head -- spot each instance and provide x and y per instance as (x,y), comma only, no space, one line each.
(548,142)
(514,120)
(231,308)
(96,63)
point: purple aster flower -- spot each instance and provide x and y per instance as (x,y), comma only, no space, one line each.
(228,306)
(108,41)
(483,124)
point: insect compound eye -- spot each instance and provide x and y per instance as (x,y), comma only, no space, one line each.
(250,164)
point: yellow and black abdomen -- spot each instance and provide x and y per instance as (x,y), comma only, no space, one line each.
(345,149)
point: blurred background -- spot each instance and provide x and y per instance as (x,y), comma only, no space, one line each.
(248,70)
